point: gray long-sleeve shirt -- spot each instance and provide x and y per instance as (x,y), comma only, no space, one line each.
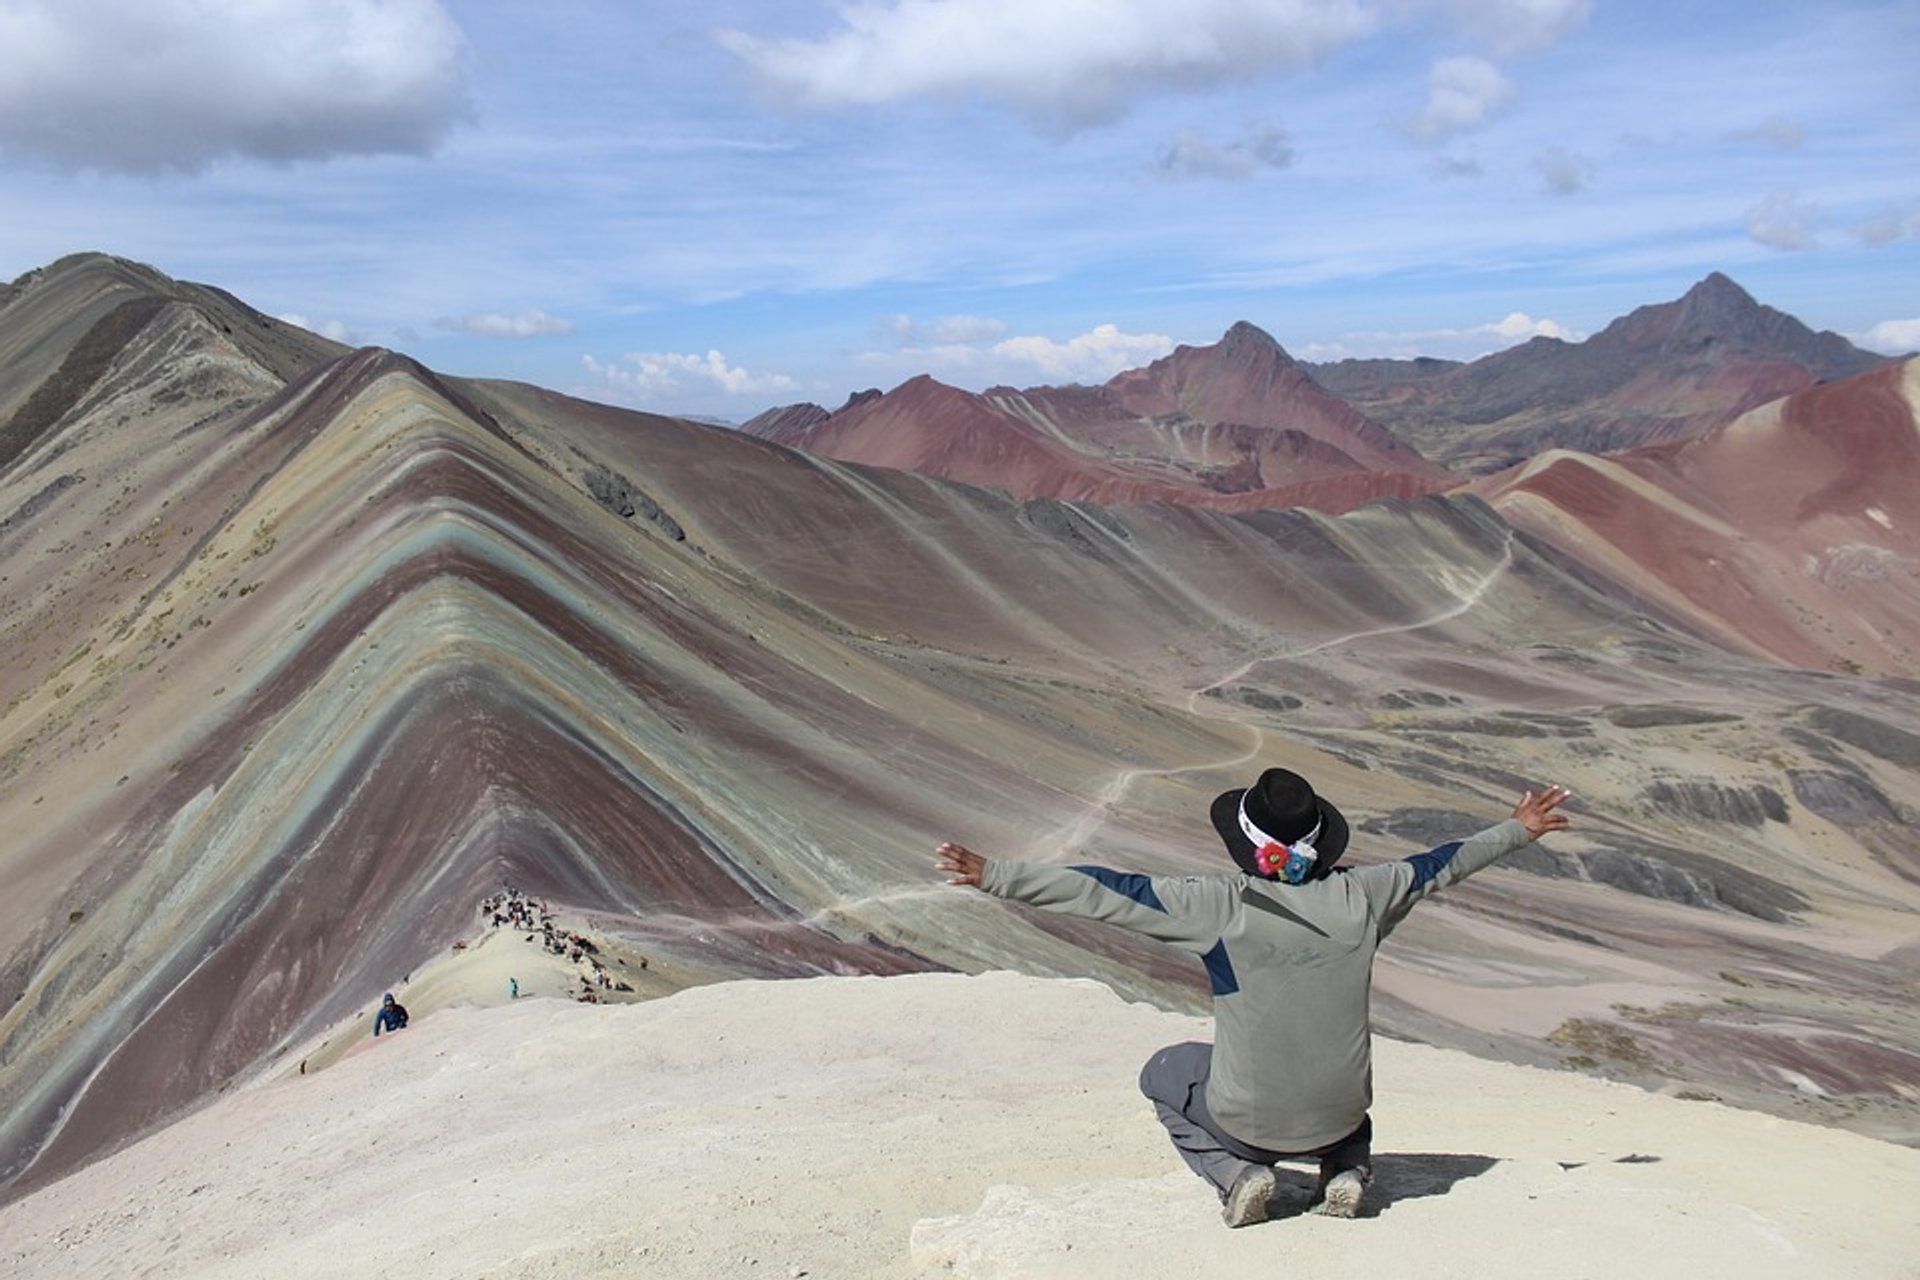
(1291,968)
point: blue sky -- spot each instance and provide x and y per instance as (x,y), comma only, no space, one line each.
(710,208)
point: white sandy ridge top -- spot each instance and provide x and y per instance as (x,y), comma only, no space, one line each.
(927,1125)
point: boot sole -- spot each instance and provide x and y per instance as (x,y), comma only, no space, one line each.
(1247,1202)
(1344,1196)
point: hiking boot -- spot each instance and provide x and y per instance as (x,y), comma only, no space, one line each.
(1346,1191)
(1246,1203)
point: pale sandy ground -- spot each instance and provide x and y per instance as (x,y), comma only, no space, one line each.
(928,1125)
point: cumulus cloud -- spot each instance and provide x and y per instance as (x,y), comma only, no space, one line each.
(151,86)
(651,376)
(492,324)
(1260,147)
(1462,93)
(1563,172)
(1090,357)
(1513,28)
(1893,337)
(1459,344)
(333,330)
(1066,66)
(1783,221)
(1093,356)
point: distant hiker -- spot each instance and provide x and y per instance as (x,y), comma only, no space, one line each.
(1288,946)
(392,1016)
(513,988)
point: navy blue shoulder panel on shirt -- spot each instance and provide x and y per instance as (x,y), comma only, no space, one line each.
(1132,884)
(1129,883)
(1428,865)
(1220,974)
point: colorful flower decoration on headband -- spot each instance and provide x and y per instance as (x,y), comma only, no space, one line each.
(1291,862)
(1271,858)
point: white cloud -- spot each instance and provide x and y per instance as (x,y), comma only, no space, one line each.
(1563,172)
(1893,337)
(1783,221)
(1094,356)
(149,86)
(1067,64)
(492,324)
(1453,344)
(1091,357)
(943,330)
(653,376)
(330,329)
(1260,147)
(1512,28)
(1461,94)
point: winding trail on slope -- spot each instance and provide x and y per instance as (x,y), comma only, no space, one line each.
(1084,826)
(1074,834)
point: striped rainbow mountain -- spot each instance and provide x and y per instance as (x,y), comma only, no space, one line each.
(306,650)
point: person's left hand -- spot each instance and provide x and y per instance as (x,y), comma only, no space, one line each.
(963,865)
(1537,811)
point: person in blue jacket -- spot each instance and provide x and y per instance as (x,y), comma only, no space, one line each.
(1288,943)
(392,1016)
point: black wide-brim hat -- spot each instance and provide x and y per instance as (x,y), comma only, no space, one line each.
(1282,804)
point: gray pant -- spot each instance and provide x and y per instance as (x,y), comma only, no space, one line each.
(1175,1081)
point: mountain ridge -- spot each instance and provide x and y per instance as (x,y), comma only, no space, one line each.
(297,671)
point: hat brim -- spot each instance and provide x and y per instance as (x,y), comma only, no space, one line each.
(1330,846)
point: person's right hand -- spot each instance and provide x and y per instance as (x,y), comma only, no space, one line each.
(1537,811)
(962,864)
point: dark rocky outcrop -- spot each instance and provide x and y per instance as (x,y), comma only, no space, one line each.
(1694,799)
(1875,737)
(42,500)
(1663,715)
(1663,872)
(617,494)
(1622,862)
(1258,699)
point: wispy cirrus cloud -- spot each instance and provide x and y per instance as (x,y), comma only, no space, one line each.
(1457,344)
(942,330)
(1517,28)
(1774,131)
(494,324)
(155,86)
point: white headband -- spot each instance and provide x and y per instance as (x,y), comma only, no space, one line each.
(1303,846)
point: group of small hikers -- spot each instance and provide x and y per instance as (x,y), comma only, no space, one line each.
(1287,941)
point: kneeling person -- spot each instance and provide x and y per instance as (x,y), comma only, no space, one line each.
(1288,944)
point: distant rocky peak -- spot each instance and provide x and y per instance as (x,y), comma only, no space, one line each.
(1718,303)
(1250,337)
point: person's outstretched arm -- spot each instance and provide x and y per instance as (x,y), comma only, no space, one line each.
(1189,912)
(1395,886)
